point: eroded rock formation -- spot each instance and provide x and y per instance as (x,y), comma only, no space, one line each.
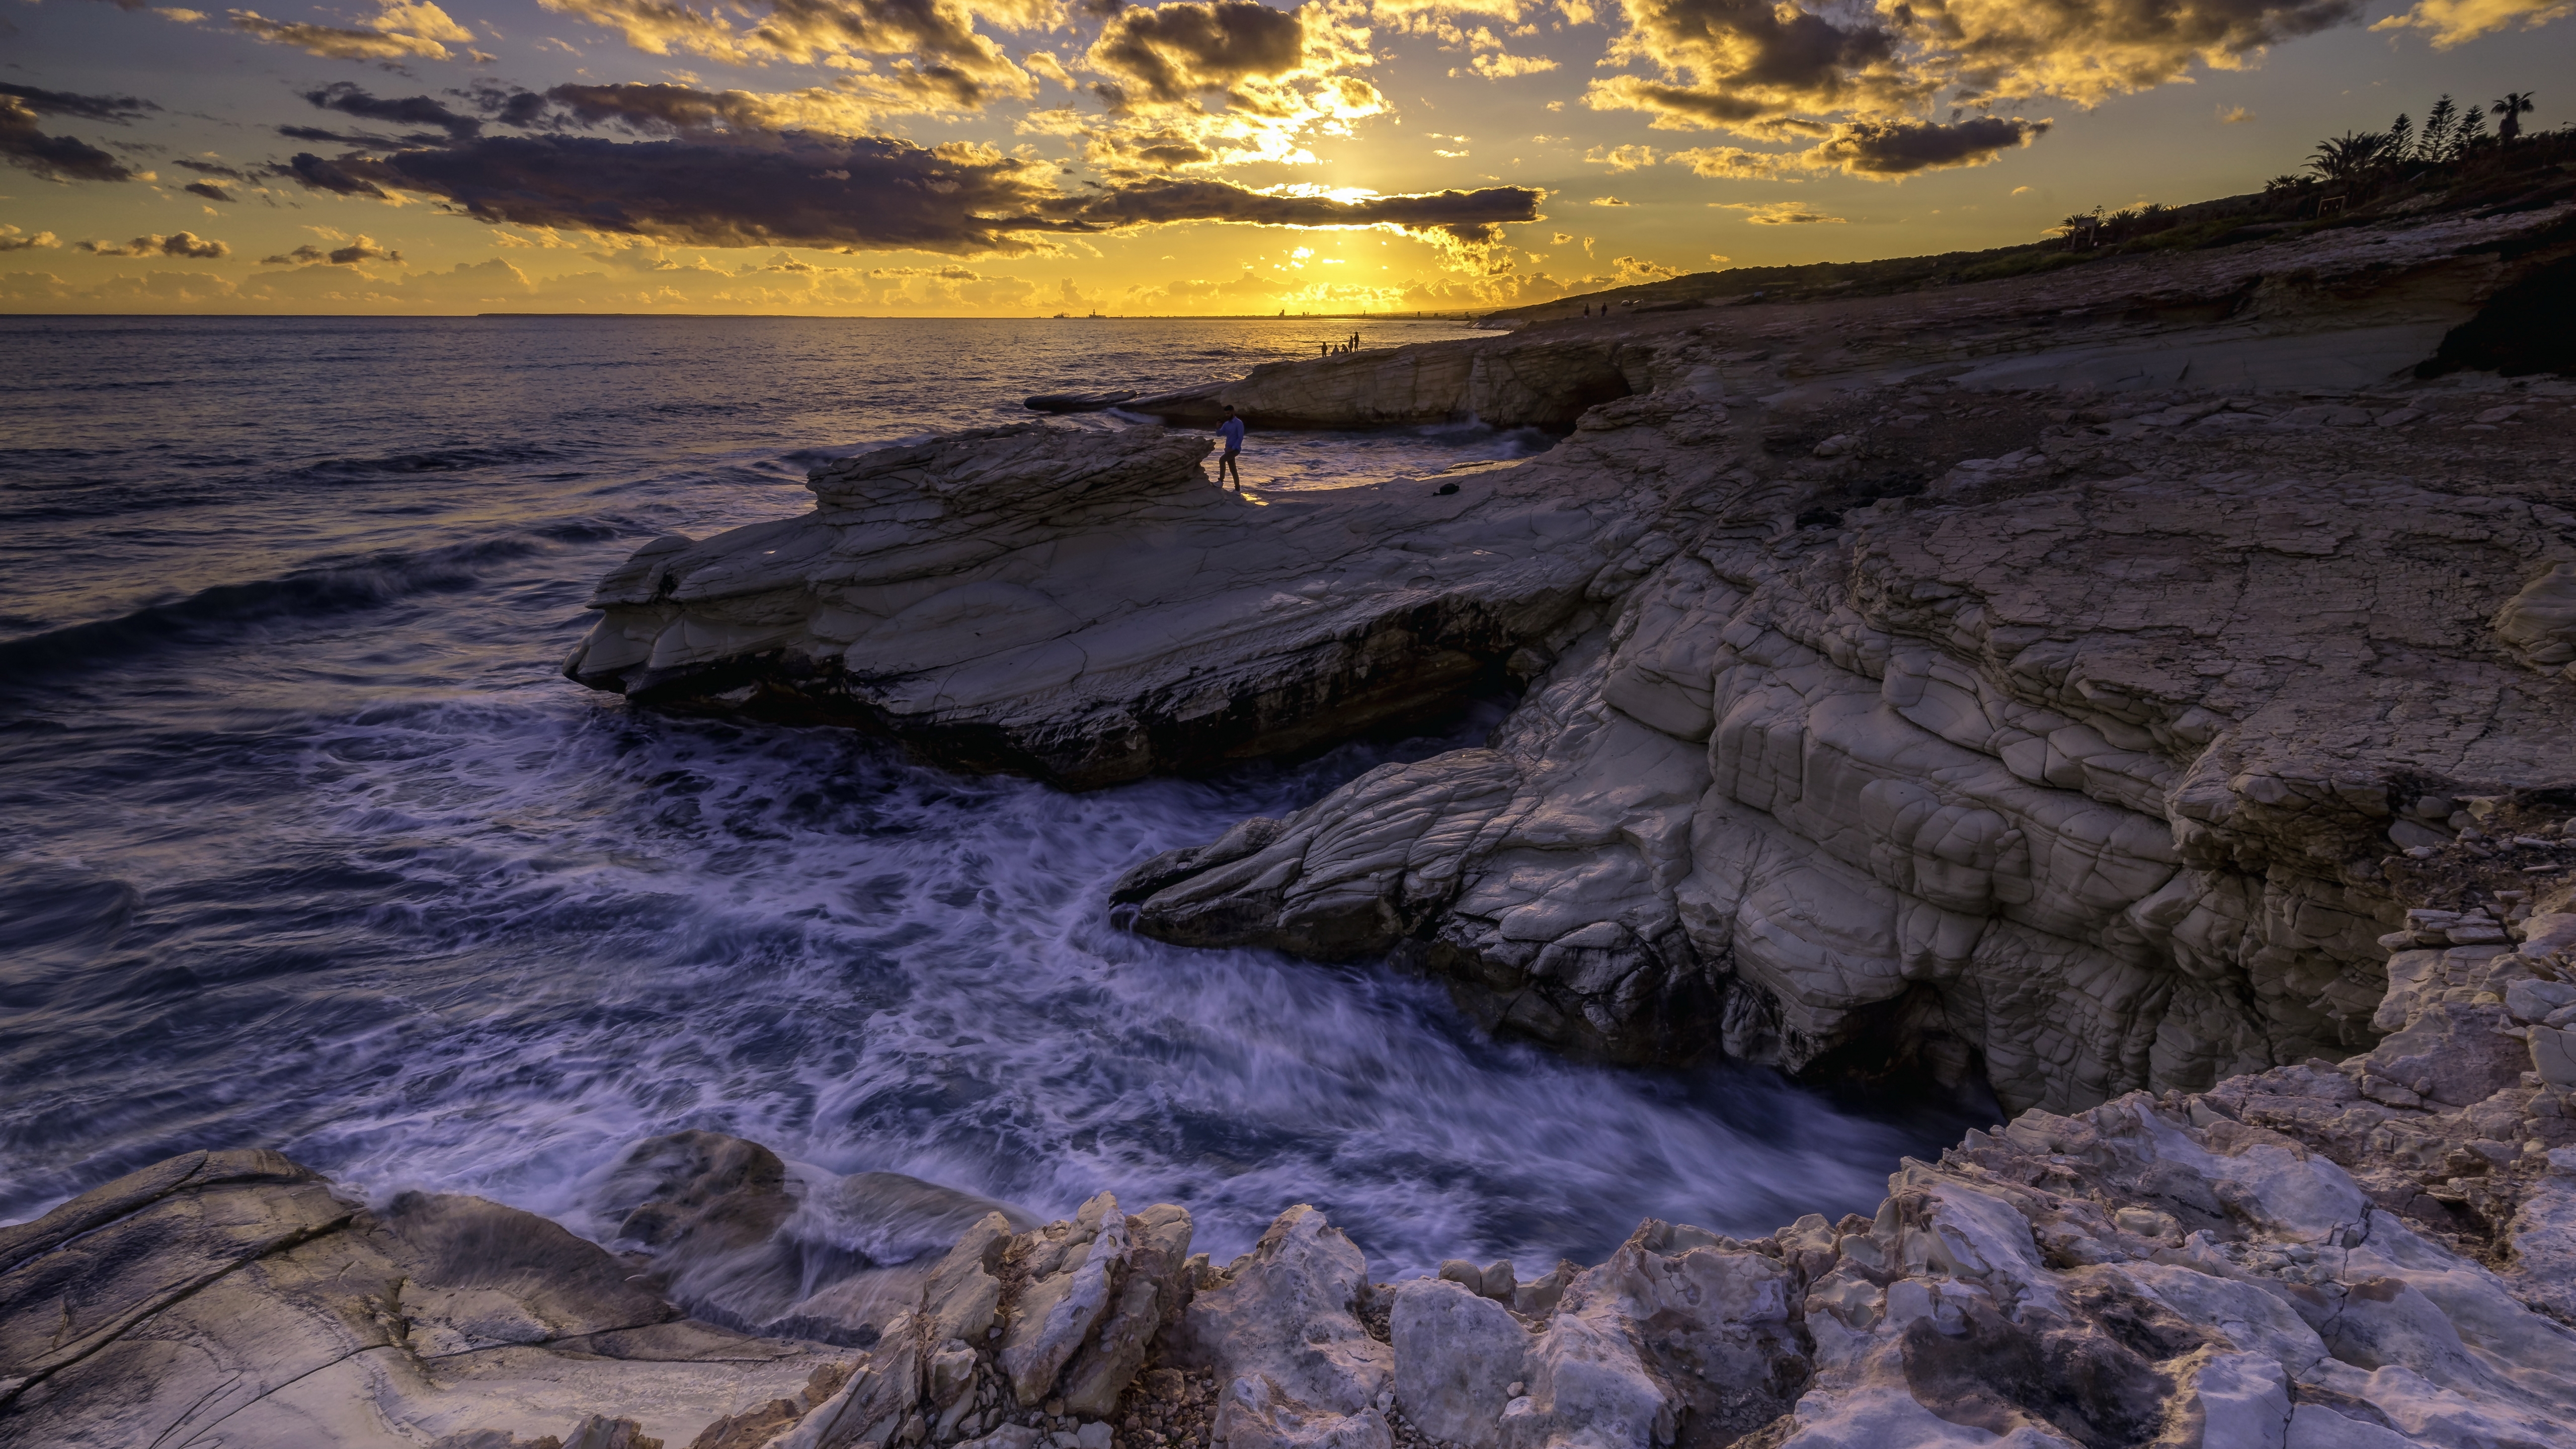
(2073,767)
(1087,607)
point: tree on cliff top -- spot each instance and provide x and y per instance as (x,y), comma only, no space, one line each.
(2514,106)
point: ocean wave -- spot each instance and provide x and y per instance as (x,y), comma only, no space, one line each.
(427,460)
(321,591)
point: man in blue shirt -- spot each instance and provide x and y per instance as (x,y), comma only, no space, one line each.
(1232,432)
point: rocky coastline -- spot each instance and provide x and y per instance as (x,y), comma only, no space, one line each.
(2150,698)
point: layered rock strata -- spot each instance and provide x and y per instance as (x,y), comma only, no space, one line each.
(2087,787)
(1085,606)
(2053,738)
(2376,1253)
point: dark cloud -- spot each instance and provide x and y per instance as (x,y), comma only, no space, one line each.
(310,255)
(55,158)
(1764,67)
(208,190)
(176,244)
(349,99)
(1900,148)
(792,188)
(657,109)
(1126,157)
(87,108)
(1746,59)
(507,105)
(210,168)
(1466,215)
(1169,53)
(360,140)
(311,171)
(776,190)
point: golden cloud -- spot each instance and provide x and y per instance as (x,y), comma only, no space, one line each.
(1778,213)
(2455,22)
(399,31)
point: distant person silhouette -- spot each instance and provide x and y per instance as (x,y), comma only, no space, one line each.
(1232,431)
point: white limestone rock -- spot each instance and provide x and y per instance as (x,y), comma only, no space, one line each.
(1083,605)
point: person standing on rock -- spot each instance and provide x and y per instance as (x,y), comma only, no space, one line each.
(1232,431)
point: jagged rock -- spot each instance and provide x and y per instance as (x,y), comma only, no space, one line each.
(1457,1355)
(1281,1326)
(1072,1280)
(1148,1296)
(1085,606)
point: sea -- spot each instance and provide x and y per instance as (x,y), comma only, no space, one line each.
(306,844)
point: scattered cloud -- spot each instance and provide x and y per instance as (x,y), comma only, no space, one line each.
(14,240)
(62,158)
(1620,159)
(2233,115)
(1774,70)
(940,51)
(176,244)
(397,32)
(39,101)
(1607,201)
(348,99)
(208,190)
(1777,213)
(363,249)
(2456,22)
(1497,65)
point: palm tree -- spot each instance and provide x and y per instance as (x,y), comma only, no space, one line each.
(2348,157)
(2514,106)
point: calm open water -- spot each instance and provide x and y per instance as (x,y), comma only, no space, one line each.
(304,843)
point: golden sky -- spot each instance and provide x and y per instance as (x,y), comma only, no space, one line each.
(1026,157)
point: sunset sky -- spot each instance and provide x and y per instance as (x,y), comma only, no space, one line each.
(1019,157)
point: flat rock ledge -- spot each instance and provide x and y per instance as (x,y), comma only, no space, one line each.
(2336,1255)
(1086,607)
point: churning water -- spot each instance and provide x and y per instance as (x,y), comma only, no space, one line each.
(304,843)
